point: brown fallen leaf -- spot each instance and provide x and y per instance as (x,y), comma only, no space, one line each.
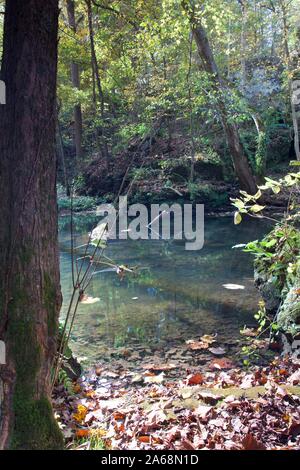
(275,346)
(82,433)
(194,379)
(159,367)
(209,339)
(197,345)
(260,377)
(185,444)
(294,429)
(144,439)
(223,363)
(248,332)
(210,398)
(119,416)
(251,443)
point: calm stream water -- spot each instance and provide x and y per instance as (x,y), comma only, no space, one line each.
(175,293)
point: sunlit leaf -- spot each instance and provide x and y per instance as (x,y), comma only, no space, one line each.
(257,208)
(237,218)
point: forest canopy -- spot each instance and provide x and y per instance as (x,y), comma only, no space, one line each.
(137,64)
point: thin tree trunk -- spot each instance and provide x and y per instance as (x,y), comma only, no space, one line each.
(30,296)
(296,132)
(285,26)
(240,161)
(61,154)
(75,78)
(228,48)
(295,103)
(243,43)
(190,105)
(96,77)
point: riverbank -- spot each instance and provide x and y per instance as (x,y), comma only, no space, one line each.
(206,392)
(154,407)
(215,195)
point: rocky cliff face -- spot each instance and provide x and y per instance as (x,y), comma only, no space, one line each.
(288,317)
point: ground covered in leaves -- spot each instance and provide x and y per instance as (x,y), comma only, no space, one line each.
(156,405)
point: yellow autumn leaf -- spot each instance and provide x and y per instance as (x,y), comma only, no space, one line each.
(81,413)
(237,218)
(257,208)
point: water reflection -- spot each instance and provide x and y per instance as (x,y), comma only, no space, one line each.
(176,293)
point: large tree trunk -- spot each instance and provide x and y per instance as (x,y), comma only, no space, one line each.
(240,161)
(30,296)
(75,78)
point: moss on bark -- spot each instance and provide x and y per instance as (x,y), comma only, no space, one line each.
(34,426)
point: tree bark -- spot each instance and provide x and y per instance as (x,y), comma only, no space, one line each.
(75,78)
(30,296)
(240,161)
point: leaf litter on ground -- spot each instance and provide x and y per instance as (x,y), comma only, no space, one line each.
(218,407)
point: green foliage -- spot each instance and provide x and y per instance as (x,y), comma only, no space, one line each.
(142,173)
(249,204)
(207,194)
(63,379)
(80,203)
(261,153)
(277,253)
(129,131)
(277,256)
(264,321)
(93,442)
(148,69)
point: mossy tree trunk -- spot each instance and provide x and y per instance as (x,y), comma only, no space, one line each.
(29,272)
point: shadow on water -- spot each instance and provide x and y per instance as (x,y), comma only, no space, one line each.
(175,293)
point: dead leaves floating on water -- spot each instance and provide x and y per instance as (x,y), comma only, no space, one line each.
(204,342)
(217,351)
(88,300)
(220,364)
(251,332)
